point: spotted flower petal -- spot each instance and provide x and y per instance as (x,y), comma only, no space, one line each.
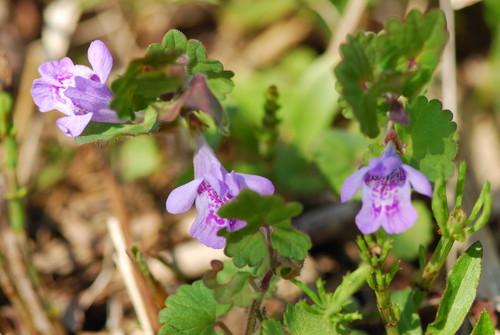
(386,193)
(212,187)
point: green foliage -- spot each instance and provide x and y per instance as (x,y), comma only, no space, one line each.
(409,322)
(145,80)
(399,61)
(174,76)
(100,131)
(260,211)
(408,244)
(484,325)
(271,327)
(302,319)
(290,242)
(230,285)
(460,292)
(191,311)
(429,138)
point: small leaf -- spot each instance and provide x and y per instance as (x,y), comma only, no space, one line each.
(301,319)
(174,39)
(256,209)
(429,138)
(290,242)
(100,131)
(409,322)
(399,61)
(246,247)
(271,327)
(460,292)
(191,311)
(484,325)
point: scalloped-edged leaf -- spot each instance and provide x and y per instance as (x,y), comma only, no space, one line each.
(256,209)
(399,61)
(174,39)
(301,319)
(246,247)
(100,131)
(413,45)
(353,73)
(429,138)
(290,242)
(484,325)
(145,80)
(271,327)
(460,292)
(191,311)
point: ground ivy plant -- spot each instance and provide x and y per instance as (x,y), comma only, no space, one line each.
(382,79)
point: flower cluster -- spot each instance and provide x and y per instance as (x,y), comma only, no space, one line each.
(211,188)
(386,193)
(78,91)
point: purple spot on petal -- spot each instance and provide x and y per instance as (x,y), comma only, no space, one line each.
(214,203)
(384,191)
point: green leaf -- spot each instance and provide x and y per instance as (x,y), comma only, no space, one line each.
(460,292)
(246,248)
(271,327)
(484,325)
(343,148)
(290,242)
(100,131)
(191,311)
(399,61)
(145,80)
(407,244)
(353,73)
(256,209)
(429,138)
(174,39)
(301,319)
(413,46)
(409,322)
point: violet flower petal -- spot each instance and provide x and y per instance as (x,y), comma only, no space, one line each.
(259,184)
(352,184)
(93,96)
(101,60)
(368,220)
(418,180)
(402,215)
(207,222)
(182,198)
(73,126)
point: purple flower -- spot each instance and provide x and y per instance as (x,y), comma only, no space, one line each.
(76,90)
(211,188)
(386,193)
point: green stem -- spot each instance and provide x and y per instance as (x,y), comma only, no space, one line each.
(432,269)
(385,306)
(254,308)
